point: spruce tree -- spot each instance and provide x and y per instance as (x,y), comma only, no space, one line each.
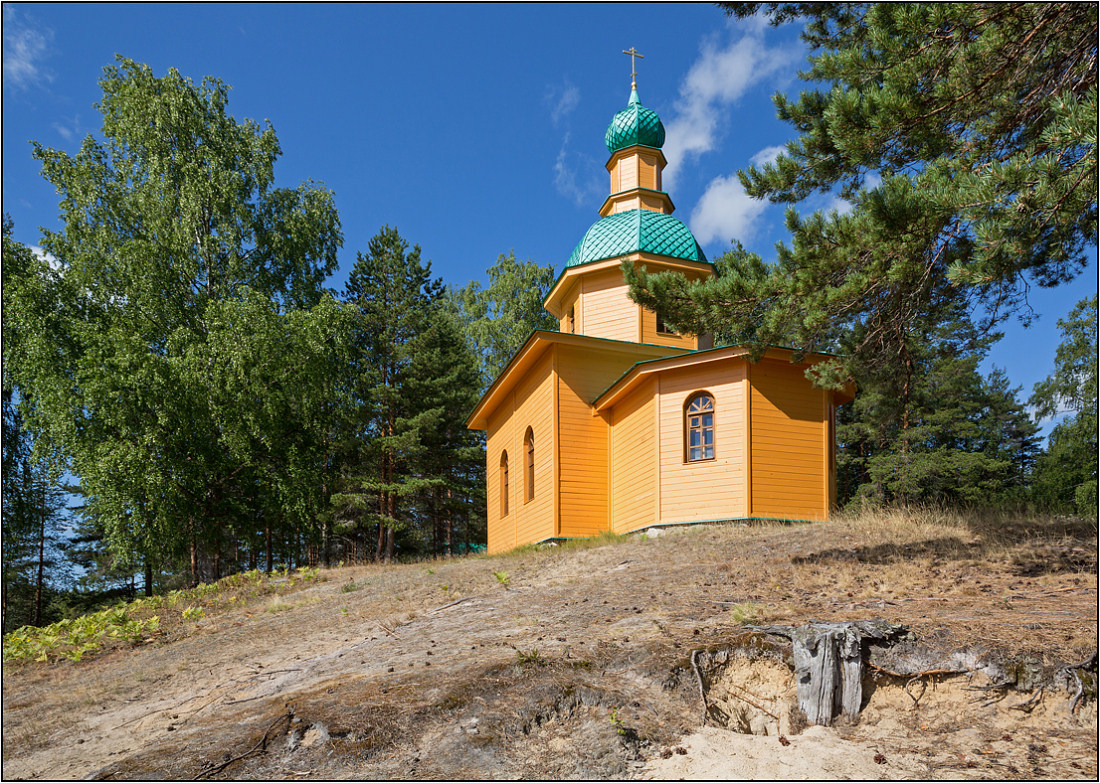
(1066,473)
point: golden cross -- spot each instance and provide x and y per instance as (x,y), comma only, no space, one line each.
(633,72)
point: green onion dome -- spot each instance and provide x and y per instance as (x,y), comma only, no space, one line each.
(636,231)
(634,125)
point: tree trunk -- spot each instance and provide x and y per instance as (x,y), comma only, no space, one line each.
(448,526)
(148,578)
(828,664)
(194,562)
(267,536)
(41,569)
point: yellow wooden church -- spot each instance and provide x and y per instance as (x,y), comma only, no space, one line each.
(616,423)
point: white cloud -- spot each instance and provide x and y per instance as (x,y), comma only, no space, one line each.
(831,202)
(767,155)
(574,172)
(583,189)
(715,82)
(725,212)
(563,101)
(24,48)
(69,129)
(49,258)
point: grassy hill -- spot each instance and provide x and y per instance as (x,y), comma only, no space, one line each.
(586,660)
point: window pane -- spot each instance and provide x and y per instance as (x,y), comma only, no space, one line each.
(699,427)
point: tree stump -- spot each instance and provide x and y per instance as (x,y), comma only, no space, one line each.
(828,664)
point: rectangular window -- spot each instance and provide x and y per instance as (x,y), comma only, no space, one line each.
(662,327)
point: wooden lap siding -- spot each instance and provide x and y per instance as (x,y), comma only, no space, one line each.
(788,438)
(501,533)
(634,462)
(711,489)
(530,405)
(584,435)
(649,333)
(607,311)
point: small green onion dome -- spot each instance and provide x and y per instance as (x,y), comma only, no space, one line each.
(635,125)
(636,231)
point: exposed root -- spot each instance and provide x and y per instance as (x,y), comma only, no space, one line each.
(750,701)
(699,680)
(260,746)
(909,693)
(1035,700)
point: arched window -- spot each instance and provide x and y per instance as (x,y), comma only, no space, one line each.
(529,474)
(699,427)
(504,484)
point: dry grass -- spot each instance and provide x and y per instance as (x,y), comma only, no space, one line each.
(387,656)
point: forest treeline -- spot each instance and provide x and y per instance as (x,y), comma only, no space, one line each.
(184,398)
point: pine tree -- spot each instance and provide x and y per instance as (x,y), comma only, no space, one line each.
(396,299)
(980,121)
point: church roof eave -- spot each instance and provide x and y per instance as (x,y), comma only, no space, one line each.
(564,280)
(530,352)
(630,379)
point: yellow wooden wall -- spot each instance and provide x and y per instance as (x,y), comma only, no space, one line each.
(790,454)
(571,299)
(583,436)
(607,311)
(634,460)
(652,336)
(714,489)
(635,170)
(531,404)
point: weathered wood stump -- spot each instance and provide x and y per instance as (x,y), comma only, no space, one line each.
(828,664)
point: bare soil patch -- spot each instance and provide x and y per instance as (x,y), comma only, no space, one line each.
(581,664)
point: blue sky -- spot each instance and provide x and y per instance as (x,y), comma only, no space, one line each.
(474,130)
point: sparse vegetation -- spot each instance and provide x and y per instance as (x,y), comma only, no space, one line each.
(616,721)
(746,613)
(532,658)
(71,639)
(536,664)
(147,619)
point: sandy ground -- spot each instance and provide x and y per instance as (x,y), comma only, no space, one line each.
(948,740)
(580,666)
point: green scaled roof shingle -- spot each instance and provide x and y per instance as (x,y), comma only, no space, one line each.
(634,231)
(634,125)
